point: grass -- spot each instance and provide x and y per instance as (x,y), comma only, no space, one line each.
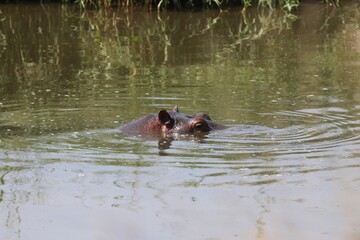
(287,5)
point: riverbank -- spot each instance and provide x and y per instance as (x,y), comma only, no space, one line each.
(287,5)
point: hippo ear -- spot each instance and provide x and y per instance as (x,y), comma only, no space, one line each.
(165,119)
(176,108)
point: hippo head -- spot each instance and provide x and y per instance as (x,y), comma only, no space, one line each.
(172,122)
(176,122)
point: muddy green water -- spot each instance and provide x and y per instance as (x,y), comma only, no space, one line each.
(287,168)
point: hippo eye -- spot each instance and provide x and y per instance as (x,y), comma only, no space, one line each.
(201,127)
(198,127)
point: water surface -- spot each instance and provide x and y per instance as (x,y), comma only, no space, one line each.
(287,86)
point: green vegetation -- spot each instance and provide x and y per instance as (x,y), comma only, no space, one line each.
(157,5)
(80,61)
(287,5)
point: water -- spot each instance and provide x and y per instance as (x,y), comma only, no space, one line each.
(288,88)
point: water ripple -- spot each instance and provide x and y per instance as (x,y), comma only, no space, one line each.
(325,130)
(303,141)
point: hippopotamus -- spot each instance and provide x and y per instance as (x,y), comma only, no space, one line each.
(168,123)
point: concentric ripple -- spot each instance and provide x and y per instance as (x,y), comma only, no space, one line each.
(306,131)
(286,144)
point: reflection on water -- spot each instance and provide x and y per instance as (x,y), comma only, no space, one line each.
(287,86)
